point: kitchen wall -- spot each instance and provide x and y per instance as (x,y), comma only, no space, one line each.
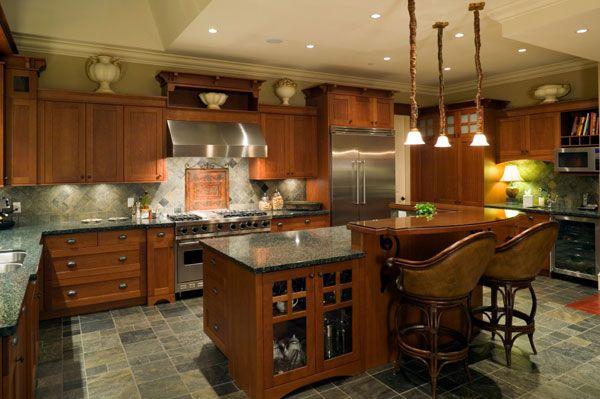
(568,186)
(76,202)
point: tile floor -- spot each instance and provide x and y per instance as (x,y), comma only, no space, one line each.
(159,352)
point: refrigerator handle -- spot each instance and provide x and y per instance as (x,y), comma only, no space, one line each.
(355,168)
(364,181)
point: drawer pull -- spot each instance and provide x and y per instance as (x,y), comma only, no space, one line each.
(215,291)
(213,262)
(530,217)
(14,341)
(122,259)
(19,360)
(71,293)
(71,241)
(123,237)
(280,224)
(306,221)
(216,327)
(160,235)
(71,264)
(23,309)
(122,286)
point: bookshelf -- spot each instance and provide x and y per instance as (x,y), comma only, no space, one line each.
(579,127)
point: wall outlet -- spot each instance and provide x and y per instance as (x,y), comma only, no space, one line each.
(16,207)
(130,202)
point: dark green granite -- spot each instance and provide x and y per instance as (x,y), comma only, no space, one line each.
(269,252)
(28,238)
(287,213)
(553,211)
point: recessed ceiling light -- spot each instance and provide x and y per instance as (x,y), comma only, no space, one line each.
(375,15)
(582,30)
(387,58)
(274,40)
(458,35)
(447,69)
(522,50)
(310,46)
(212,30)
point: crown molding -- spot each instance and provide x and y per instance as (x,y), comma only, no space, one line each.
(519,8)
(49,45)
(524,74)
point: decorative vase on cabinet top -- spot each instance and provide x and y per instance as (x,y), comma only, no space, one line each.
(285,89)
(213,100)
(551,93)
(104,70)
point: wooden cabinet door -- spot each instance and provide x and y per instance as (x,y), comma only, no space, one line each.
(21,142)
(422,172)
(341,109)
(32,317)
(104,143)
(301,146)
(275,127)
(446,174)
(384,113)
(362,112)
(288,316)
(471,173)
(543,136)
(63,125)
(337,314)
(511,138)
(15,374)
(143,144)
(161,265)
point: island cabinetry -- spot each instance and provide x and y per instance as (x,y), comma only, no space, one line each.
(160,263)
(284,329)
(299,223)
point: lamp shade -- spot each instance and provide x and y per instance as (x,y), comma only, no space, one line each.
(479,140)
(442,142)
(511,173)
(414,137)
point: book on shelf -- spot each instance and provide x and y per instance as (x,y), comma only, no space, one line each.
(587,125)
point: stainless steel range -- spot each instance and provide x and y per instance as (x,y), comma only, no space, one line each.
(190,228)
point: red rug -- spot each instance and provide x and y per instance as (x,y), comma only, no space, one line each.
(590,304)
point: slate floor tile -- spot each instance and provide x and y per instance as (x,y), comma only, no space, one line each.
(163,388)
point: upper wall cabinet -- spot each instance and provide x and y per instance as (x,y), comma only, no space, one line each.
(101,138)
(291,136)
(361,110)
(20,120)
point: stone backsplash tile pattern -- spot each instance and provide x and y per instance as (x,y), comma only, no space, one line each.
(568,187)
(75,202)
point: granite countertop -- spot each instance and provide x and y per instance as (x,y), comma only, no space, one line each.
(269,252)
(28,238)
(288,213)
(556,210)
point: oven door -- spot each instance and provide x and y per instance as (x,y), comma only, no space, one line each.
(576,159)
(576,252)
(189,266)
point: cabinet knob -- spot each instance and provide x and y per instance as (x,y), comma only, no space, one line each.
(71,241)
(123,237)
(19,360)
(89,177)
(213,262)
(311,275)
(350,121)
(530,218)
(122,259)
(306,221)
(82,177)
(320,275)
(216,327)
(23,309)
(71,293)
(122,286)
(71,264)
(161,234)
(158,177)
(14,341)
(279,224)
(215,291)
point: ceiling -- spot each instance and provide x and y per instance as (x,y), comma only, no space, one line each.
(347,41)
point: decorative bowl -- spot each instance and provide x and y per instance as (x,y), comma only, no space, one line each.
(213,100)
(551,93)
(285,89)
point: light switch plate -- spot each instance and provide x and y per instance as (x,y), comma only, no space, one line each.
(16,207)
(130,202)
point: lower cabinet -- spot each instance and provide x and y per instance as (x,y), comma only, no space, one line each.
(159,263)
(285,329)
(299,223)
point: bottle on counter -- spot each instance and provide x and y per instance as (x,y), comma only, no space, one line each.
(265,203)
(277,201)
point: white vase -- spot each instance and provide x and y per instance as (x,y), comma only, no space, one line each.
(104,70)
(551,93)
(285,89)
(213,100)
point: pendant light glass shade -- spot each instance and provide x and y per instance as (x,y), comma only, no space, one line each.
(479,140)
(414,137)
(442,142)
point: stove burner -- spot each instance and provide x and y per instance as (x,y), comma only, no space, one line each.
(240,214)
(184,217)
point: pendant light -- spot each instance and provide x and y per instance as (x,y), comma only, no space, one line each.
(479,139)
(442,140)
(414,136)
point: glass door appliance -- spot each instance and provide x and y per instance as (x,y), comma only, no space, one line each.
(576,250)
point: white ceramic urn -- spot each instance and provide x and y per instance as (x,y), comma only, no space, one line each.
(285,89)
(104,70)
(551,93)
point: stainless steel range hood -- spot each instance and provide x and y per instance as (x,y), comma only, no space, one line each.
(216,140)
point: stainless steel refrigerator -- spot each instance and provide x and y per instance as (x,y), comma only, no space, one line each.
(362,174)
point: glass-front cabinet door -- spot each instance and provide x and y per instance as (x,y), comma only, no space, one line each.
(336,314)
(289,333)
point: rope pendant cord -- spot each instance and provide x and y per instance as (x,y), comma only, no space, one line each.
(476,7)
(414,111)
(441,103)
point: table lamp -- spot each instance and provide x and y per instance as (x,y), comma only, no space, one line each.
(511,175)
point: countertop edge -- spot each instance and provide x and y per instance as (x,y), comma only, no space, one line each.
(565,212)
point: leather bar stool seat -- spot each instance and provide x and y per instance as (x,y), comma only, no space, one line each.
(514,267)
(435,286)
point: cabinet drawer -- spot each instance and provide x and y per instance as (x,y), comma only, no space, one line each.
(214,288)
(72,241)
(161,235)
(300,223)
(119,237)
(120,287)
(93,265)
(215,326)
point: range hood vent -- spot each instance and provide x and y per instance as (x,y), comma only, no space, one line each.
(216,140)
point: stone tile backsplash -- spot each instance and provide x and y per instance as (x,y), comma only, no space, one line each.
(74,202)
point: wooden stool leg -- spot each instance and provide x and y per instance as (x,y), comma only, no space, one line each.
(494,320)
(466,306)
(433,360)
(532,316)
(399,323)
(509,304)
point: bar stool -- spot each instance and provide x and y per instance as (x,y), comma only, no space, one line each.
(435,286)
(514,266)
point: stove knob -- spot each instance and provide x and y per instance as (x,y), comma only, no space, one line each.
(243,225)
(254,224)
(183,230)
(219,226)
(265,223)
(194,229)
(233,226)
(204,227)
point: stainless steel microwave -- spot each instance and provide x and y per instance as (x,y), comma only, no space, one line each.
(577,159)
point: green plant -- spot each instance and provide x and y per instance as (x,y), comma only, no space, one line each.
(425,209)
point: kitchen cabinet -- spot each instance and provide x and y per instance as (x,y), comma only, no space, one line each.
(511,138)
(299,223)
(447,173)
(160,265)
(361,111)
(533,136)
(471,173)
(145,143)
(104,143)
(291,136)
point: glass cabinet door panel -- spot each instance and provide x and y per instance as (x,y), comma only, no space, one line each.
(279,288)
(299,284)
(337,332)
(473,117)
(279,308)
(289,345)
(329,298)
(346,276)
(346,295)
(328,279)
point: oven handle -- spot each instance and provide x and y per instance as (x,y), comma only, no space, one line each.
(188,244)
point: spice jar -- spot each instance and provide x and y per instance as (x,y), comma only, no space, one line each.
(277,201)
(265,204)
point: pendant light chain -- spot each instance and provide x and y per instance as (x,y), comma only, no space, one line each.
(476,7)
(440,36)
(414,111)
